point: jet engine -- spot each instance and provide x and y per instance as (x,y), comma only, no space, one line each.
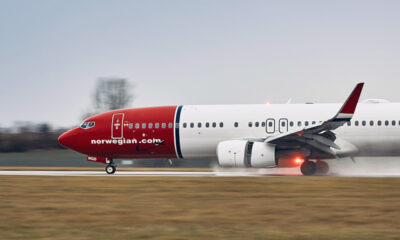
(241,153)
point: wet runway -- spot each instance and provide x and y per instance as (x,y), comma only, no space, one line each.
(103,173)
(148,173)
(235,173)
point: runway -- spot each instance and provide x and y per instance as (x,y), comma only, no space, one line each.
(147,173)
(259,173)
(103,173)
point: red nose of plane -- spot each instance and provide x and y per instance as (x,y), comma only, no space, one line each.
(67,139)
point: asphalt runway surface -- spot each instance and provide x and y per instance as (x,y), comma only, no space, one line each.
(218,173)
(137,174)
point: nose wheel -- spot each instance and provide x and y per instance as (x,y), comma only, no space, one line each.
(110,169)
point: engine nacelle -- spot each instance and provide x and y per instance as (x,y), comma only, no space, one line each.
(241,153)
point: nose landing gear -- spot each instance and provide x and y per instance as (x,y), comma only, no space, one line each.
(110,168)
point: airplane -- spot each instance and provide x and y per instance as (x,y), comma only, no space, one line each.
(255,136)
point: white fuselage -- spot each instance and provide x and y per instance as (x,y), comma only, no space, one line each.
(267,120)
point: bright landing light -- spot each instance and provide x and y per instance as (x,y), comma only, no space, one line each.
(298,160)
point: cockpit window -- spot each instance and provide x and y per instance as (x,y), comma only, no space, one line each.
(86,125)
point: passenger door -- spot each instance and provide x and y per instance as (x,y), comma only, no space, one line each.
(117,126)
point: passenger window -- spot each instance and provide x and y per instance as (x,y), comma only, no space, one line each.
(163,125)
(184,125)
(169,125)
(143,125)
(299,123)
(387,123)
(256,124)
(236,124)
(356,123)
(364,123)
(263,124)
(130,125)
(214,124)
(348,123)
(393,123)
(283,124)
(291,123)
(207,125)
(221,124)
(250,124)
(150,125)
(191,125)
(137,125)
(199,125)
(306,123)
(157,125)
(313,122)
(269,124)
(379,122)
(371,123)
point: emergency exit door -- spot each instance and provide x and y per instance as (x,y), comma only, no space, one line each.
(270,125)
(283,125)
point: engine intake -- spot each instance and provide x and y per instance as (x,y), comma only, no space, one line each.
(241,153)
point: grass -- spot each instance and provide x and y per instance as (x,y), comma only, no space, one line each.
(199,208)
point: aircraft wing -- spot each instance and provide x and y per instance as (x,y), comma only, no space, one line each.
(320,136)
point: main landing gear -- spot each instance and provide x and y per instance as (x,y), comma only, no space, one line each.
(309,168)
(110,168)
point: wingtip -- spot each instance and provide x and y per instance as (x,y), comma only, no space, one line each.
(361,85)
(349,107)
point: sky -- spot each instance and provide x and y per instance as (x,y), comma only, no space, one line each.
(193,52)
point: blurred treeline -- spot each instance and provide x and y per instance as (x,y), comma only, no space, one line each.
(26,136)
(109,93)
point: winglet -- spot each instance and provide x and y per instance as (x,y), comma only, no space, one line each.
(346,112)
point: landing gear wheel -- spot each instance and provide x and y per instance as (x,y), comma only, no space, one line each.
(322,167)
(308,168)
(110,169)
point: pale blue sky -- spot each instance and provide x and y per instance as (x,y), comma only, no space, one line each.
(193,52)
